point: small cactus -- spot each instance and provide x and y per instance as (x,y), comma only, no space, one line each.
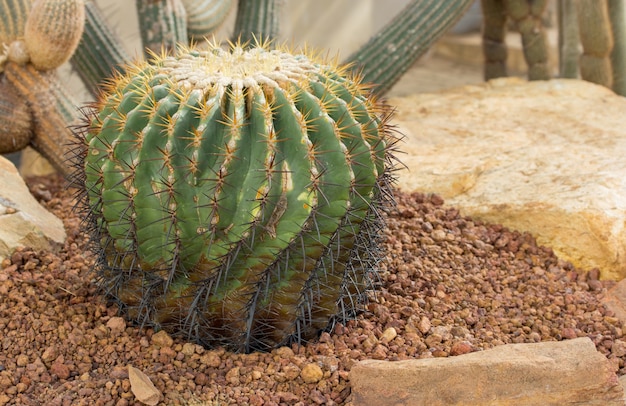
(235,195)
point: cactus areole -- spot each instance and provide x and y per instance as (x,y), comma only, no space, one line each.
(235,196)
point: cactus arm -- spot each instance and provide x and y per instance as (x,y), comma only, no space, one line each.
(162,23)
(99,52)
(392,51)
(51,114)
(15,120)
(205,16)
(568,39)
(494,34)
(618,55)
(257,19)
(596,38)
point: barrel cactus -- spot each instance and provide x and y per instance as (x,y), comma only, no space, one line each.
(236,195)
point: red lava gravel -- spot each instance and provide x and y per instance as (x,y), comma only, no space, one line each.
(450,286)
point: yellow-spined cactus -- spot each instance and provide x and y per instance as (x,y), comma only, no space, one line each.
(236,195)
(53,30)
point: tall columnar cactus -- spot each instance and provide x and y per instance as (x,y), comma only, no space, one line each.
(257,19)
(596,38)
(526,15)
(162,24)
(100,52)
(236,195)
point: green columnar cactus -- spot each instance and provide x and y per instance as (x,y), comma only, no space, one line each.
(596,38)
(162,23)
(99,52)
(257,19)
(235,194)
(392,51)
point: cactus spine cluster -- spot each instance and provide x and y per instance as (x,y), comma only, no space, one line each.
(236,195)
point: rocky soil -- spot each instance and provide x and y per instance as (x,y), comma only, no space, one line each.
(450,286)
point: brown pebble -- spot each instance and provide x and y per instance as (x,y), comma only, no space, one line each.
(440,354)
(388,335)
(117,325)
(460,348)
(61,370)
(568,333)
(311,373)
(424,325)
(22,360)
(162,339)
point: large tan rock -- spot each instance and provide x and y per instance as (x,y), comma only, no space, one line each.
(23,221)
(546,157)
(550,373)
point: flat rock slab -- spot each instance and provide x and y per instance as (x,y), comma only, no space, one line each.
(545,157)
(568,372)
(23,221)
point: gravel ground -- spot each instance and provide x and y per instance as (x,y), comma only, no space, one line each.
(451,286)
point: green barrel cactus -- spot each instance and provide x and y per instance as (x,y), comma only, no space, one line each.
(236,196)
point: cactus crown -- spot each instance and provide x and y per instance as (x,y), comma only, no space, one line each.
(235,195)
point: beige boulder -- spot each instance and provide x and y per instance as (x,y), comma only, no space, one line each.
(23,221)
(569,372)
(545,157)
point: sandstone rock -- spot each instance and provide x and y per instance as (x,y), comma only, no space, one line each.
(23,221)
(548,373)
(142,387)
(546,157)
